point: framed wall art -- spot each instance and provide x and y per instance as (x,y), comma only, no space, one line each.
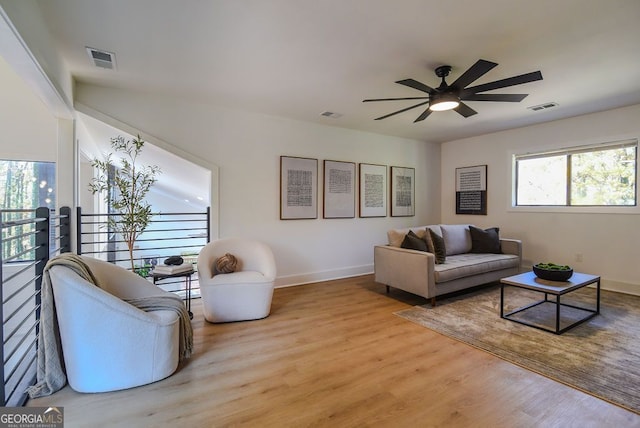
(471,190)
(339,189)
(403,191)
(298,188)
(373,190)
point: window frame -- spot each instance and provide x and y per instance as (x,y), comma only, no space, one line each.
(571,150)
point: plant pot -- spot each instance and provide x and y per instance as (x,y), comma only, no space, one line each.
(553,274)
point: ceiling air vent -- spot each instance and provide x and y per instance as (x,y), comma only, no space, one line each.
(102,59)
(543,106)
(330,114)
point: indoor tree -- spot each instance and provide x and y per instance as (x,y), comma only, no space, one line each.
(125,187)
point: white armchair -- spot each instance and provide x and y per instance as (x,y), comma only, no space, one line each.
(107,343)
(244,294)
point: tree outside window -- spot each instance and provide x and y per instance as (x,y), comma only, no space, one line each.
(589,176)
(24,185)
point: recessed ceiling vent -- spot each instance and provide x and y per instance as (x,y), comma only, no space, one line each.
(331,114)
(102,59)
(543,106)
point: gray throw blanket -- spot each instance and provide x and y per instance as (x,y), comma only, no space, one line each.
(170,303)
(50,375)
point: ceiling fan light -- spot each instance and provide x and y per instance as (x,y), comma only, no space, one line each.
(443,101)
(444,105)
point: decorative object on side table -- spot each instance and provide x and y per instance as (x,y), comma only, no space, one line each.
(552,271)
(173,260)
(169,269)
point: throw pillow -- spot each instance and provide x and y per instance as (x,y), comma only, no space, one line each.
(412,242)
(225,264)
(435,244)
(456,238)
(485,241)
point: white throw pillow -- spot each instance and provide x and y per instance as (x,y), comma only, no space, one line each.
(457,238)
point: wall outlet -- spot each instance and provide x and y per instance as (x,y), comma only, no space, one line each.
(578,257)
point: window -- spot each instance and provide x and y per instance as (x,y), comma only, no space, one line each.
(602,175)
(24,186)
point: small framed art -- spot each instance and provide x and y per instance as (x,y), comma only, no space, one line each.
(471,190)
(403,191)
(373,190)
(298,188)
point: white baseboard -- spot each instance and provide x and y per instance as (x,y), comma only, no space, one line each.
(620,287)
(609,284)
(328,275)
(306,278)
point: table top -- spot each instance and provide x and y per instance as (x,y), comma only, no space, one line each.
(530,281)
(170,275)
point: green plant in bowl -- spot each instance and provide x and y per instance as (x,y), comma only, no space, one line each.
(552,266)
(552,271)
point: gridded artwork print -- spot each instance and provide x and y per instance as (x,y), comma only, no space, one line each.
(373,190)
(298,188)
(402,191)
(339,189)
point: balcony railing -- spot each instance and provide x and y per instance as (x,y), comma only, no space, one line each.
(168,234)
(29,239)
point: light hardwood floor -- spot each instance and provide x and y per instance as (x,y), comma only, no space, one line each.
(333,354)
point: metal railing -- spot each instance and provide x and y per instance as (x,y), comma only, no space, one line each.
(28,240)
(168,234)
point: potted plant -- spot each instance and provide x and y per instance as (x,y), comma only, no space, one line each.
(124,188)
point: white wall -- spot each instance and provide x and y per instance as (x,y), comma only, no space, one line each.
(607,241)
(247,149)
(40,64)
(28,131)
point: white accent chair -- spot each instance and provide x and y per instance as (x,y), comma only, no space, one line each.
(108,344)
(244,294)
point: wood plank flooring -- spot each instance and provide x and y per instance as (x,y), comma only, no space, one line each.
(332,354)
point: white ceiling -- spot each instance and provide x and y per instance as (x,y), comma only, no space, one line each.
(299,58)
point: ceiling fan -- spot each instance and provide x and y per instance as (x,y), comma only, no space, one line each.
(450,97)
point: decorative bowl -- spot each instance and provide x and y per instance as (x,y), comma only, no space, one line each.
(552,272)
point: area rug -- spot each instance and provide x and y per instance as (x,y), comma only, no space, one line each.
(600,357)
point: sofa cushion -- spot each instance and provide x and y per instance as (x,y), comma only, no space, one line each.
(457,238)
(485,241)
(396,236)
(436,245)
(463,265)
(412,242)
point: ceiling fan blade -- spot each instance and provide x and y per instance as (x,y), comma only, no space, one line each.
(511,81)
(401,111)
(416,85)
(511,98)
(465,110)
(476,71)
(395,99)
(423,116)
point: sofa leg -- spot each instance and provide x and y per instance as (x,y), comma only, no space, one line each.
(433,302)
(388,289)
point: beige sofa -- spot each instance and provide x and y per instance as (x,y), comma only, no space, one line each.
(417,272)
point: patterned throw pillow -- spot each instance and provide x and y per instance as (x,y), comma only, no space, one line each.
(412,242)
(435,244)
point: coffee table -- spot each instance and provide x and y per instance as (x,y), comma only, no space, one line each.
(530,281)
